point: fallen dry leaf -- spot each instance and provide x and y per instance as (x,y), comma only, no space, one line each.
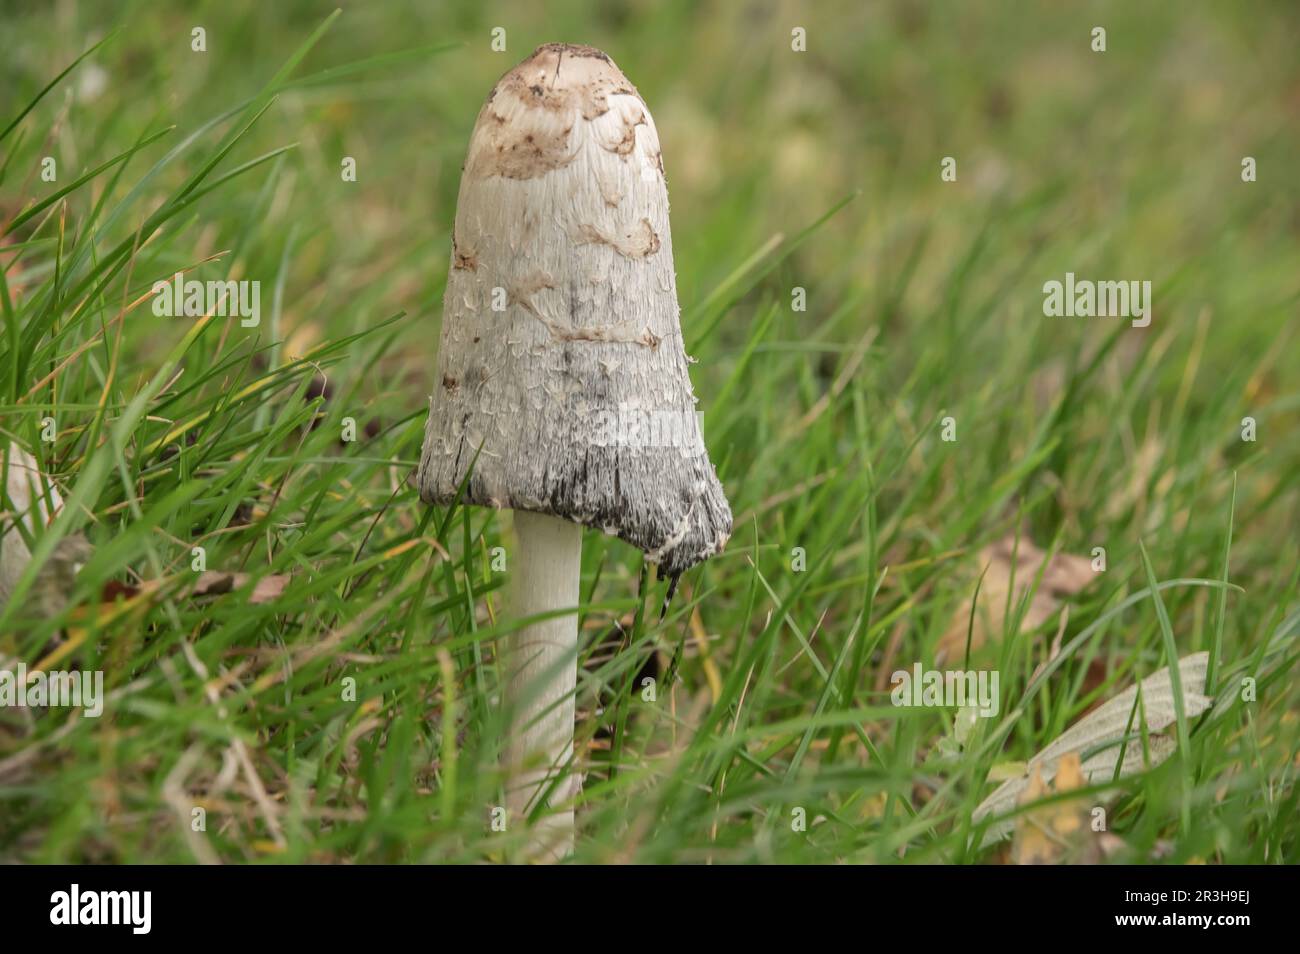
(209,583)
(1013,565)
(1100,731)
(216,582)
(1057,831)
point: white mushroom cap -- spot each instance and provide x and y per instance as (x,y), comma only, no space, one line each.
(575,395)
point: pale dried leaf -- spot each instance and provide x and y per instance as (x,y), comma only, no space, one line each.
(1046,834)
(1097,770)
(1105,726)
(1012,568)
(217,582)
(1109,721)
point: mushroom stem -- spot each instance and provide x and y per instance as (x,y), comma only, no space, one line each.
(541,676)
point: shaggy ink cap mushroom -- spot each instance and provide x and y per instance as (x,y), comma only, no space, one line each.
(562,377)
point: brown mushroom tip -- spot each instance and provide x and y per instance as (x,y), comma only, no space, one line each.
(560,76)
(571,49)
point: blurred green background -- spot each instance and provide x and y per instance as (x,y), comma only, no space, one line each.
(1122,164)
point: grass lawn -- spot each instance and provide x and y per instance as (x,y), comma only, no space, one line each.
(924,467)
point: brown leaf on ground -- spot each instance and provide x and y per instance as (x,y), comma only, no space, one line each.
(216,582)
(209,583)
(1058,831)
(113,590)
(1013,565)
